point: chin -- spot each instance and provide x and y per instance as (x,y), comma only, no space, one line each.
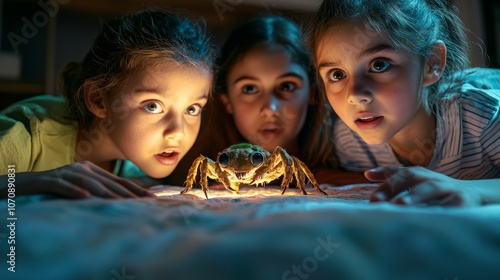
(370,140)
(160,173)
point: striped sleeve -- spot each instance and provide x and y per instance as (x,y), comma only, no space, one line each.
(478,157)
(490,136)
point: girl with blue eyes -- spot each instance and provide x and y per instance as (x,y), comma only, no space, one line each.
(392,71)
(132,108)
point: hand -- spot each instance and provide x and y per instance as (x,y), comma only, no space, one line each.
(78,180)
(420,186)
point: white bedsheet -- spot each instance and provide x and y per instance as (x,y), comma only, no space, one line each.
(257,234)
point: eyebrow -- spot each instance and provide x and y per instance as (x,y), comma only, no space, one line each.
(156,91)
(288,74)
(144,90)
(367,52)
(377,49)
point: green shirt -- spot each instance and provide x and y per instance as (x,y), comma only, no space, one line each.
(37,135)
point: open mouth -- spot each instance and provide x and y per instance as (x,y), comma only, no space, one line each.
(270,130)
(369,122)
(368,119)
(167,158)
(167,154)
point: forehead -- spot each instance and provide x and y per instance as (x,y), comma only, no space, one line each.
(157,74)
(266,56)
(347,38)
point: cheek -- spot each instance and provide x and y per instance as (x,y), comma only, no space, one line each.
(242,121)
(337,104)
(401,102)
(295,109)
(295,114)
(191,133)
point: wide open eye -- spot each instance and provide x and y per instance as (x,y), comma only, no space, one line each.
(194,110)
(223,159)
(249,89)
(287,86)
(256,158)
(153,107)
(379,65)
(336,75)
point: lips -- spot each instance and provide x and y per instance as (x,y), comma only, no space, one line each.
(366,120)
(270,130)
(168,157)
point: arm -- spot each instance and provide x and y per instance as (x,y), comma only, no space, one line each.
(78,180)
(417,186)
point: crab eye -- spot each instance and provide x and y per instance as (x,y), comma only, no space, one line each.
(223,159)
(256,158)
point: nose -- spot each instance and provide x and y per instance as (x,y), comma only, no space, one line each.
(272,105)
(359,91)
(174,128)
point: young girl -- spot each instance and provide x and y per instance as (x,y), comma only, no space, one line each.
(386,68)
(265,95)
(134,101)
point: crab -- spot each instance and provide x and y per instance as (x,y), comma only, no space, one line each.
(250,164)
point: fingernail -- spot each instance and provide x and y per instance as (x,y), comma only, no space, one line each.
(377,169)
(406,200)
(83,194)
(151,194)
(380,196)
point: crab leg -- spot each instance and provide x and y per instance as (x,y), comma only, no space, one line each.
(287,166)
(193,171)
(310,176)
(299,175)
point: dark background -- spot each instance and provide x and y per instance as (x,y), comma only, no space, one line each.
(66,35)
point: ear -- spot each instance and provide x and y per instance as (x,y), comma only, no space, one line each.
(94,99)
(225,101)
(435,64)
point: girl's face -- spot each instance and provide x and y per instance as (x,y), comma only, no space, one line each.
(373,87)
(268,94)
(156,116)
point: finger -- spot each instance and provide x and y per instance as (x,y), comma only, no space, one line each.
(131,187)
(428,194)
(381,174)
(402,180)
(94,184)
(127,184)
(64,188)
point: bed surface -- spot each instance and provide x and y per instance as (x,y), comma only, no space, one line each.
(258,234)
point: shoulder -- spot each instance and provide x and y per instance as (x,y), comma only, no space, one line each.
(475,105)
(42,111)
(482,78)
(33,130)
(40,107)
(479,106)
